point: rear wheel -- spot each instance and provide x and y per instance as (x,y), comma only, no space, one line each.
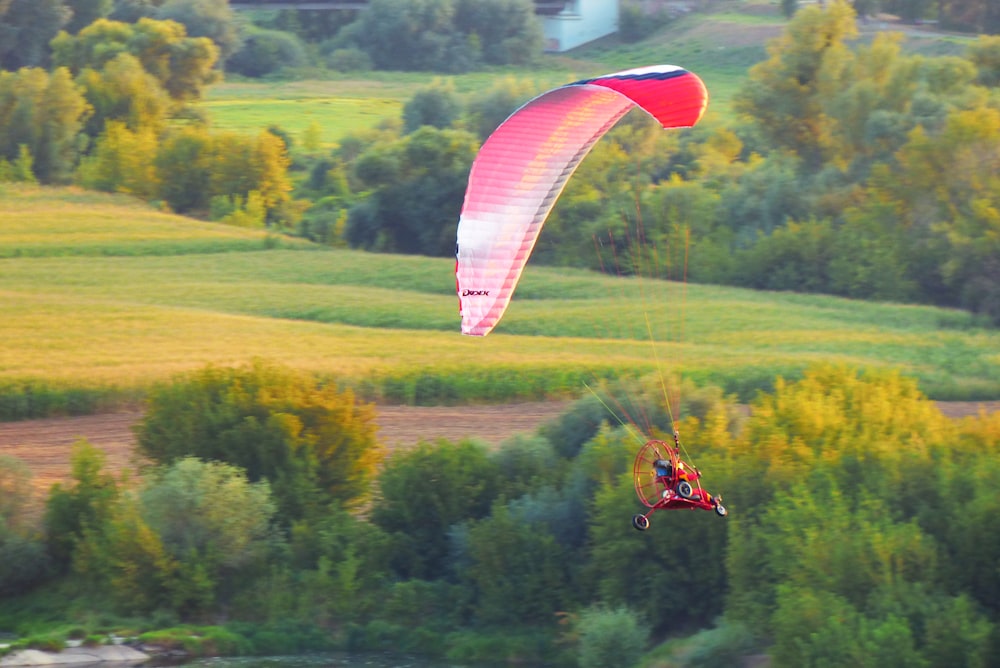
(684,489)
(640,522)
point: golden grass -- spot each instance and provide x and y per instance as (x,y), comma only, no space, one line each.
(198,293)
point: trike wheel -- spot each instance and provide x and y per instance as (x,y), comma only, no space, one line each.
(684,489)
(640,522)
(720,510)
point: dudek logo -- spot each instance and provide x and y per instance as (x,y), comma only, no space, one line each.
(475,293)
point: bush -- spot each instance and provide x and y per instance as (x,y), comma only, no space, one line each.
(25,563)
(723,646)
(312,442)
(349,60)
(267,51)
(610,638)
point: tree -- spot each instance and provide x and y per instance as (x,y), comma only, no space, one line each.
(123,92)
(211,520)
(408,34)
(239,165)
(120,162)
(945,192)
(267,51)
(311,442)
(213,19)
(437,106)
(784,93)
(183,65)
(426,491)
(22,554)
(183,169)
(985,55)
(610,638)
(521,575)
(86,504)
(86,12)
(125,558)
(44,113)
(26,29)
(418,183)
(506,31)
(130,11)
(488,109)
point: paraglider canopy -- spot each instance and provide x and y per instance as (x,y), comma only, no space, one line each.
(523,167)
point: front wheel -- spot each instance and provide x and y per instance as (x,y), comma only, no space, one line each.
(640,522)
(720,510)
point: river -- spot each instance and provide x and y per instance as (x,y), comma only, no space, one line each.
(324,660)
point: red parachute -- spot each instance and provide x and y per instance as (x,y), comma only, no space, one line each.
(523,167)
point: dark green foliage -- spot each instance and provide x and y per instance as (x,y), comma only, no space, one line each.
(526,463)
(487,647)
(437,106)
(131,11)
(506,32)
(214,19)
(26,29)
(610,638)
(417,188)
(722,646)
(22,400)
(486,110)
(86,12)
(42,112)
(423,493)
(636,22)
(266,52)
(445,35)
(349,60)
(25,562)
(85,504)
(520,574)
(861,530)
(407,35)
(310,441)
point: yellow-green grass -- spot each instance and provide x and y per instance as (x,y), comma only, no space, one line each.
(38,221)
(719,45)
(389,324)
(333,117)
(342,105)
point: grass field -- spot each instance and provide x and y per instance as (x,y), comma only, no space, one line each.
(160,294)
(103,294)
(720,45)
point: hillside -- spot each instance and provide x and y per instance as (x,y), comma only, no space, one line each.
(103,293)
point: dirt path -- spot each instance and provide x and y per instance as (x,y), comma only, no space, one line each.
(44,445)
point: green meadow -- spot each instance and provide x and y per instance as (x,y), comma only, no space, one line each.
(100,294)
(720,46)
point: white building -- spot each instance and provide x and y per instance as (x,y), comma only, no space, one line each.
(579,22)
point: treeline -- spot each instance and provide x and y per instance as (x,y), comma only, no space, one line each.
(862,530)
(853,168)
(113,112)
(433,35)
(100,93)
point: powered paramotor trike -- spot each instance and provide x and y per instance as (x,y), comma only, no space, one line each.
(663,481)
